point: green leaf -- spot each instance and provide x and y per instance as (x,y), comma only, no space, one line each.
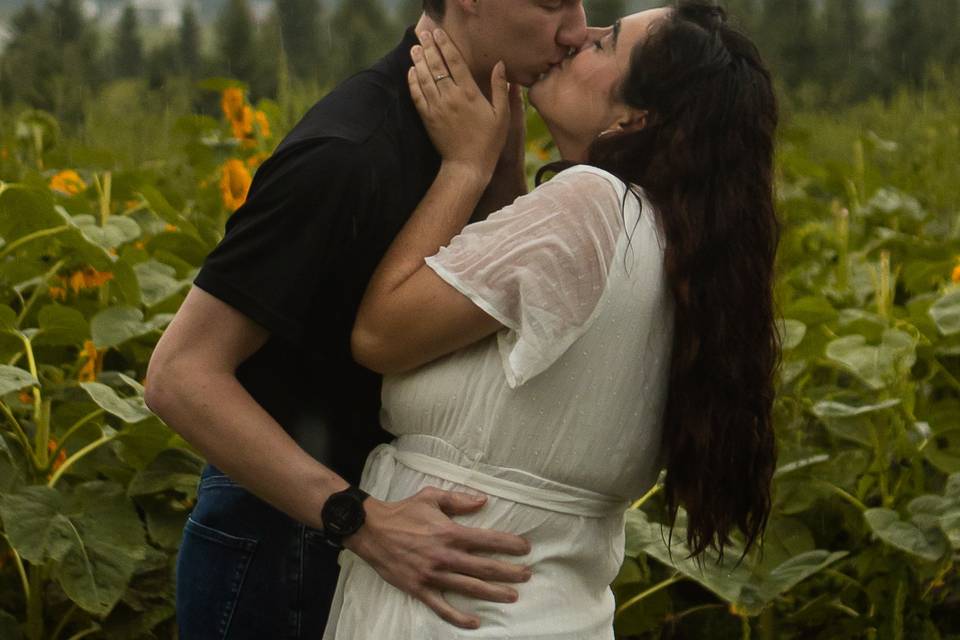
(116,325)
(877,366)
(8,319)
(138,444)
(62,326)
(159,204)
(943,450)
(888,201)
(35,524)
(172,469)
(118,230)
(792,332)
(130,410)
(24,210)
(11,474)
(98,568)
(126,283)
(927,544)
(946,313)
(164,522)
(830,409)
(750,587)
(811,310)
(950,525)
(14,379)
(9,627)
(158,281)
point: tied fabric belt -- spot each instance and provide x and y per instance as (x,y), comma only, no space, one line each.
(552,496)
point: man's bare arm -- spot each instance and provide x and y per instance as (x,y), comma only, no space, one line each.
(191,385)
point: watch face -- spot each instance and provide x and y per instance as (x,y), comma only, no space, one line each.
(341,513)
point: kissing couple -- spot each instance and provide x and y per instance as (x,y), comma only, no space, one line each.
(438,394)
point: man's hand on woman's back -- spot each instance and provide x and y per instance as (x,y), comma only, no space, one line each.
(415,546)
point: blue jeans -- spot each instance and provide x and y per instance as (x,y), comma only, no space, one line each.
(248,570)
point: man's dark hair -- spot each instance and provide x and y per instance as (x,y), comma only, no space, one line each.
(434,8)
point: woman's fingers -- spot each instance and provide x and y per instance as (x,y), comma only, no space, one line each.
(419,100)
(501,91)
(438,68)
(458,68)
(427,84)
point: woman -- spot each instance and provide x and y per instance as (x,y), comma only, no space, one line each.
(555,354)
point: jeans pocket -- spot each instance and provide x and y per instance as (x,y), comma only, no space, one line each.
(211,569)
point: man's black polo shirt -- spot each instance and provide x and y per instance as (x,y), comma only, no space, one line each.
(297,256)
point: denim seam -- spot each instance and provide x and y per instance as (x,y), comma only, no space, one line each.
(238,579)
(301,536)
(215,535)
(217,481)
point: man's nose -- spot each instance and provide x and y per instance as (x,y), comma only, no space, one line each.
(573,30)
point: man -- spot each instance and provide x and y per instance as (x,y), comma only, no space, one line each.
(255,369)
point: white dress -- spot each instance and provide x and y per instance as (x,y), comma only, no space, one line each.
(557,417)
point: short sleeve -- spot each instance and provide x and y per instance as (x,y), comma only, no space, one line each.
(282,243)
(539,266)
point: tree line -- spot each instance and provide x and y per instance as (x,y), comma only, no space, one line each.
(55,59)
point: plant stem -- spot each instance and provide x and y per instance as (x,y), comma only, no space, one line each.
(843,494)
(73,428)
(949,376)
(42,433)
(698,608)
(841,216)
(35,604)
(69,462)
(640,596)
(36,235)
(654,490)
(18,561)
(20,433)
(744,627)
(766,624)
(85,632)
(38,289)
(63,622)
(103,190)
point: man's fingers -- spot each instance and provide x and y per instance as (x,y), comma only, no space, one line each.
(488,540)
(455,502)
(473,588)
(486,569)
(442,608)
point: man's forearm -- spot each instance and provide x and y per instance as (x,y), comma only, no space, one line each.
(217,415)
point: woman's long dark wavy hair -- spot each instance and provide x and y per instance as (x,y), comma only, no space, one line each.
(705,161)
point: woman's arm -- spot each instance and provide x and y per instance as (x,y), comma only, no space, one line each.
(409,315)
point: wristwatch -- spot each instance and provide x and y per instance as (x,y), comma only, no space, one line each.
(343,515)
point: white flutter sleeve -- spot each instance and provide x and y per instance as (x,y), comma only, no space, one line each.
(539,266)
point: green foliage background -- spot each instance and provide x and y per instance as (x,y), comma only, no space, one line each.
(94,489)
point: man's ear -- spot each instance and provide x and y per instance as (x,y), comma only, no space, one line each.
(466,6)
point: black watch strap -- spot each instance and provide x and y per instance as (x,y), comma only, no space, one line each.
(343,514)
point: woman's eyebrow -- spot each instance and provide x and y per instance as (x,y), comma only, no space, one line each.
(616,33)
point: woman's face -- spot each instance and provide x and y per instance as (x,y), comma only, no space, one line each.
(578,97)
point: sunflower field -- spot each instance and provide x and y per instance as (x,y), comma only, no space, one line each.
(101,236)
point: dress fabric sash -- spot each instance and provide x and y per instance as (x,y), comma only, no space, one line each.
(540,492)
